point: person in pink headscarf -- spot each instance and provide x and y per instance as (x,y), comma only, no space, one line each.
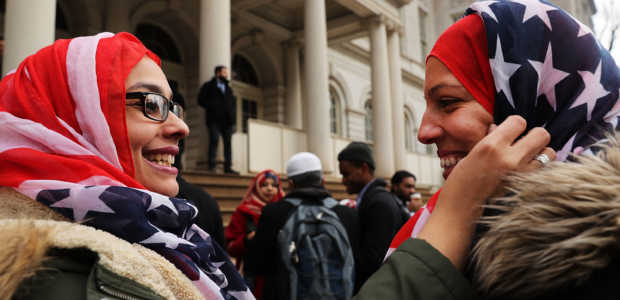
(265,188)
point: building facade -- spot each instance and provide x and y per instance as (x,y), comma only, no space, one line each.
(309,75)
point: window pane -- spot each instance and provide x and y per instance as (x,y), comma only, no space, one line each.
(333,112)
(422,20)
(249,110)
(368,121)
(408,133)
(243,71)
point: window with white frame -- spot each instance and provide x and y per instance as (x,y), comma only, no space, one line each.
(335,111)
(422,21)
(368,120)
(410,132)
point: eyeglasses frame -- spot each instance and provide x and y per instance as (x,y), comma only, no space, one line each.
(142,97)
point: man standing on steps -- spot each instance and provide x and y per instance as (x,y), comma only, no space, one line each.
(217,98)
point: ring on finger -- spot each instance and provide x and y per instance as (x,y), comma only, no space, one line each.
(542,158)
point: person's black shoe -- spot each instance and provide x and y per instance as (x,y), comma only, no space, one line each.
(211,170)
(231,171)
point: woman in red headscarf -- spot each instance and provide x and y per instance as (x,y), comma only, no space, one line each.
(506,87)
(89,134)
(265,188)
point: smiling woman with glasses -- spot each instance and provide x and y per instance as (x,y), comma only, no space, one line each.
(87,181)
(156,106)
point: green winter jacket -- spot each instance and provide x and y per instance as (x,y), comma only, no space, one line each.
(417,271)
(44,257)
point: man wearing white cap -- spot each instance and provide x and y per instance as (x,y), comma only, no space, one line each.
(305,178)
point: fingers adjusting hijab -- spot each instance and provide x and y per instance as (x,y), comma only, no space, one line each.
(530,58)
(548,67)
(65,144)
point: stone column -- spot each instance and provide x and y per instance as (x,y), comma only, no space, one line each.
(294,117)
(29,26)
(215,43)
(381,107)
(398,119)
(214,37)
(316,80)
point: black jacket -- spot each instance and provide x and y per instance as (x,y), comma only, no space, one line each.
(263,253)
(380,219)
(209,217)
(220,107)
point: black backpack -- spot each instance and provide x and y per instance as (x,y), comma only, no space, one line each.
(316,252)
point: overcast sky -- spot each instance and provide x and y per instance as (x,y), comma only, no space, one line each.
(601,18)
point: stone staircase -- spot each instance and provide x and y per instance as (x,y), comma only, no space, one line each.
(230,189)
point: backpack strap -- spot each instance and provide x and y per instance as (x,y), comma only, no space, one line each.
(294,201)
(330,202)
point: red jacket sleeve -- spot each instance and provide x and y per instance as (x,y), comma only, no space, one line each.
(235,234)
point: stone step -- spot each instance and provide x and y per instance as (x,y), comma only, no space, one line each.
(229,190)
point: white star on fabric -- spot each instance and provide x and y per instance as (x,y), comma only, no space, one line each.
(546,86)
(485,7)
(593,90)
(536,8)
(171,240)
(158,200)
(566,149)
(502,71)
(83,200)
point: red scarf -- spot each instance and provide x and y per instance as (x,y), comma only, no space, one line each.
(470,65)
(252,203)
(58,132)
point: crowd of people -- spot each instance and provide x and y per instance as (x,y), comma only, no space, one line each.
(523,115)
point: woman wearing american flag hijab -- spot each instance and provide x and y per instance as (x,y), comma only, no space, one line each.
(89,135)
(510,87)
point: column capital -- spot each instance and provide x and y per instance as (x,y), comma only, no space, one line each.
(396,28)
(375,20)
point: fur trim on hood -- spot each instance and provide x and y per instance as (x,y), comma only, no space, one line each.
(558,227)
(28,230)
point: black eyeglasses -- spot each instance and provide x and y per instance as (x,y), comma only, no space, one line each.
(156,106)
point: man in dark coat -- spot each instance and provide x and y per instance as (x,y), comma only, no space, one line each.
(306,182)
(217,98)
(379,213)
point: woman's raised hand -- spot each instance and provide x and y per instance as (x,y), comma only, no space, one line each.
(475,178)
(499,153)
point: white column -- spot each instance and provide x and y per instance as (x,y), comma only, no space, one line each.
(214,36)
(381,107)
(29,26)
(294,116)
(317,90)
(215,42)
(398,119)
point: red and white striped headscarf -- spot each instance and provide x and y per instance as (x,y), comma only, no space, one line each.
(52,128)
(65,144)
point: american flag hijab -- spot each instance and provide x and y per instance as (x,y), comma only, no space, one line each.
(529,57)
(65,144)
